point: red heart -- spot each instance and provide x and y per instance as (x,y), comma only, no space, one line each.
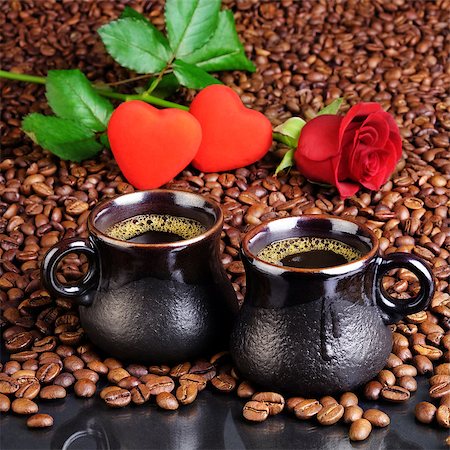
(152,145)
(232,135)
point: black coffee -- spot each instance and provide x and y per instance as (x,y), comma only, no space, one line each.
(155,229)
(309,252)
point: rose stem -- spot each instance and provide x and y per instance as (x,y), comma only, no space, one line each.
(105,93)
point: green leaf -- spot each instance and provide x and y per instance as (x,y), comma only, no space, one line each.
(137,45)
(71,96)
(167,86)
(224,50)
(104,140)
(286,162)
(65,138)
(191,76)
(289,131)
(332,108)
(190,23)
(130,13)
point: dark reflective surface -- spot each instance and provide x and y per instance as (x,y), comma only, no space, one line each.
(213,422)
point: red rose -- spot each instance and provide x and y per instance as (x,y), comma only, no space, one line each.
(360,148)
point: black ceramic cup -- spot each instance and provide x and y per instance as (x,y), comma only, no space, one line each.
(319,331)
(155,303)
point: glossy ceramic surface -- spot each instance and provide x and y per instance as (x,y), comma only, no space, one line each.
(156,303)
(319,331)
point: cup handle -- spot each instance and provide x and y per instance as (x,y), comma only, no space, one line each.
(394,309)
(54,257)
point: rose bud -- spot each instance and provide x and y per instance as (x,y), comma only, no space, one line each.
(360,148)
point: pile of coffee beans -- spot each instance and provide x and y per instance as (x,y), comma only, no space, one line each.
(307,53)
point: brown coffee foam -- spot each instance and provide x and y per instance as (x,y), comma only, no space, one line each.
(137,225)
(277,250)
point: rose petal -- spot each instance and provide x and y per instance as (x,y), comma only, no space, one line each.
(347,188)
(357,114)
(377,123)
(319,139)
(319,171)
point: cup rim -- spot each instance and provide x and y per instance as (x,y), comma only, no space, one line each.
(330,270)
(215,228)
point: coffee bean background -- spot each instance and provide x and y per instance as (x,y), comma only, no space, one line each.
(307,53)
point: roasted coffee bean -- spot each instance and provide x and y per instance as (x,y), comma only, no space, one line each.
(48,372)
(19,342)
(220,358)
(307,409)
(330,414)
(348,399)
(404,369)
(423,364)
(128,382)
(24,356)
(445,400)
(440,389)
(160,384)
(166,400)
(31,364)
(273,400)
(255,411)
(224,382)
(84,388)
(22,375)
(8,385)
(24,406)
(108,389)
(245,390)
(115,375)
(395,393)
(52,392)
(372,390)
(443,416)
(408,382)
(73,363)
(377,418)
(140,394)
(327,400)
(64,379)
(386,378)
(360,430)
(118,398)
(99,367)
(180,370)
(86,374)
(186,393)
(29,388)
(431,352)
(404,353)
(442,369)
(64,351)
(5,403)
(425,412)
(112,363)
(292,402)
(439,379)
(199,380)
(352,413)
(40,421)
(46,344)
(393,361)
(159,370)
(136,370)
(11,367)
(204,368)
